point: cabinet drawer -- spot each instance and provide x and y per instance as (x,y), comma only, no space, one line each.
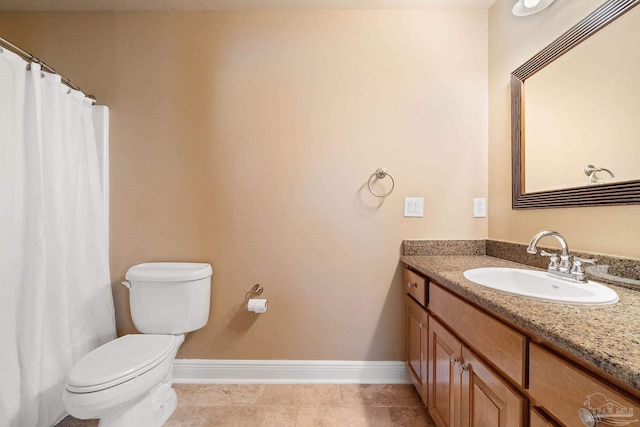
(563,389)
(489,337)
(416,286)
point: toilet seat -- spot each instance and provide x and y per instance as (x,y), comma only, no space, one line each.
(119,361)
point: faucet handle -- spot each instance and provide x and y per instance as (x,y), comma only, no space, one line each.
(578,271)
(554,260)
(577,263)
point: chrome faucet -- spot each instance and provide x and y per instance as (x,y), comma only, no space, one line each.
(561,266)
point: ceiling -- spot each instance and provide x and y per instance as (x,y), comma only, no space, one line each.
(97,5)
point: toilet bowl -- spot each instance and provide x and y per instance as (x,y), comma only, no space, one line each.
(122,381)
(127,382)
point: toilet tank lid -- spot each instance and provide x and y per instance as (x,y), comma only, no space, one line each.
(169,271)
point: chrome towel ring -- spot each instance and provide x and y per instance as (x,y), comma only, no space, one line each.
(381,173)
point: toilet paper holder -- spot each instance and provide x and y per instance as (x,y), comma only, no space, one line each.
(256,290)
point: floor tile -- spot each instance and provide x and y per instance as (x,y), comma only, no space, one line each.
(410,417)
(258,416)
(299,395)
(380,395)
(186,416)
(292,405)
(217,394)
(343,417)
(207,416)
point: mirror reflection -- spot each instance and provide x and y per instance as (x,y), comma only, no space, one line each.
(582,113)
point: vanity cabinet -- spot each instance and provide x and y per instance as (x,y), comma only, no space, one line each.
(458,388)
(464,391)
(574,396)
(481,371)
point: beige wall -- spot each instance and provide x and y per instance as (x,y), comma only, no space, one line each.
(245,139)
(512,40)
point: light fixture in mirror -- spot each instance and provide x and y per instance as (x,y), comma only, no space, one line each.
(562,104)
(529,7)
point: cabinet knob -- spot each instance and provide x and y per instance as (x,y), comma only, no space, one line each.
(422,325)
(588,418)
(464,367)
(411,285)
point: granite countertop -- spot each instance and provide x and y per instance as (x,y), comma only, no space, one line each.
(606,337)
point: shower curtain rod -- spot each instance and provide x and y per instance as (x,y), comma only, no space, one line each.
(31,58)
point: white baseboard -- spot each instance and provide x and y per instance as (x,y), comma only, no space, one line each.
(204,371)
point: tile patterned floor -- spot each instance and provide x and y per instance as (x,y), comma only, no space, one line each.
(293,405)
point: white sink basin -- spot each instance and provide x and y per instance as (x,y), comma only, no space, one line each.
(541,285)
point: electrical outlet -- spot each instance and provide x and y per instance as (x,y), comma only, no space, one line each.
(479,207)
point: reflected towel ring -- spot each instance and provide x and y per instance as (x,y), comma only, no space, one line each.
(591,171)
(381,173)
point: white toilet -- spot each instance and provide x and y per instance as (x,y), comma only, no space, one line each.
(127,382)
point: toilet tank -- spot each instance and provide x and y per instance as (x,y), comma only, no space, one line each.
(169,297)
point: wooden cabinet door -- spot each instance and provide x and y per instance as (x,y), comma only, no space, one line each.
(445,352)
(536,419)
(487,400)
(417,340)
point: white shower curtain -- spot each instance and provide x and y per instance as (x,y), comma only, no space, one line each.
(55,293)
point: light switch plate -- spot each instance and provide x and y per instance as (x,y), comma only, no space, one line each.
(479,207)
(414,207)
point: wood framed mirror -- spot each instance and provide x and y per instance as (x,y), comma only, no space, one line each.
(527,192)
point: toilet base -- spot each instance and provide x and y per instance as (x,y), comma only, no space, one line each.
(153,410)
